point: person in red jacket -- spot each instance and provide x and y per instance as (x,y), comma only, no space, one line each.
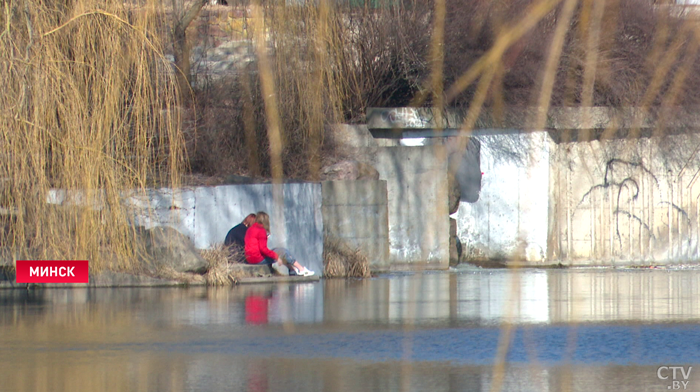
(257,252)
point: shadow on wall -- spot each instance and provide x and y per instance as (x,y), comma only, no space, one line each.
(467,166)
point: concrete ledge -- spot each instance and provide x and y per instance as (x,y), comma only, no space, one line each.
(114,279)
(105,279)
(249,270)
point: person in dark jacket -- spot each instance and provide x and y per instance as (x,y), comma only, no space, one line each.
(235,239)
(257,252)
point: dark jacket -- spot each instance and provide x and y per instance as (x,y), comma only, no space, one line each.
(236,236)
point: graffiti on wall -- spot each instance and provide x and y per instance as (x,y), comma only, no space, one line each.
(633,213)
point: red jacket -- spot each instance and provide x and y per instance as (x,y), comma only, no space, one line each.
(256,245)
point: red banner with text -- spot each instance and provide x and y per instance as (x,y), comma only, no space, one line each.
(52,271)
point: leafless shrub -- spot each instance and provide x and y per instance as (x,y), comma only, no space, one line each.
(331,61)
(233,125)
(218,145)
(329,65)
(385,55)
(634,36)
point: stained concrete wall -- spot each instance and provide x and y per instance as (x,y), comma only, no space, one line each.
(417,204)
(628,197)
(601,202)
(626,201)
(416,183)
(356,212)
(510,219)
(206,214)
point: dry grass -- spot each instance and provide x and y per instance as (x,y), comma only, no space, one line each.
(88,107)
(219,272)
(342,261)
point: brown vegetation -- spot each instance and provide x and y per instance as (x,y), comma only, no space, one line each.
(236,129)
(632,37)
(342,261)
(219,272)
(330,62)
(88,118)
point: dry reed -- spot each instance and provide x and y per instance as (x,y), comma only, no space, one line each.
(219,271)
(342,261)
(89,117)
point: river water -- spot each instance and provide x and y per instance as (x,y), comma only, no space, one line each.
(466,330)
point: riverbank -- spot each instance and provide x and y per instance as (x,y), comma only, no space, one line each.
(122,280)
(257,275)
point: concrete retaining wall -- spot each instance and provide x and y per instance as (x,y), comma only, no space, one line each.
(418,212)
(601,202)
(356,212)
(510,219)
(206,214)
(603,186)
(625,201)
(400,220)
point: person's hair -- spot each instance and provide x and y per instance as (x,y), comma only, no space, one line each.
(264,219)
(249,220)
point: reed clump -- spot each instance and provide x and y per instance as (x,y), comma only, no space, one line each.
(342,261)
(219,271)
(89,118)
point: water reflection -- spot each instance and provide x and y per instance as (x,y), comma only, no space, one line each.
(577,330)
(532,296)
